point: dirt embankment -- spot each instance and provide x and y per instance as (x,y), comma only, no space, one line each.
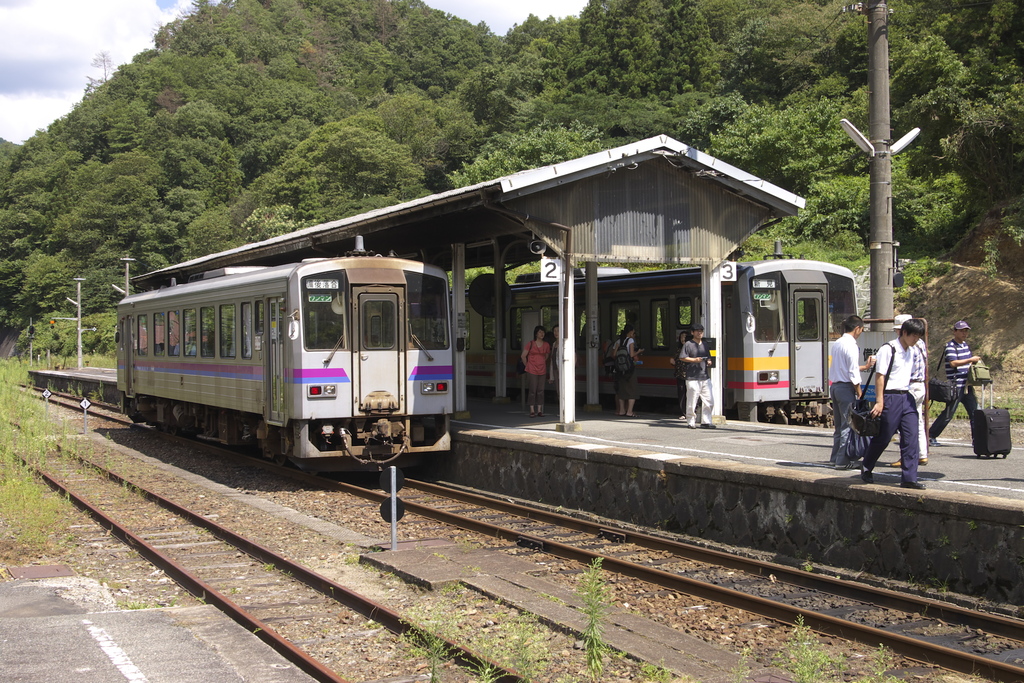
(993,306)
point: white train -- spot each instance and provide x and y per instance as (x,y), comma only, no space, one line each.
(779,320)
(334,364)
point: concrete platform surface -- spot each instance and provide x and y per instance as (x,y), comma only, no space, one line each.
(61,630)
(952,467)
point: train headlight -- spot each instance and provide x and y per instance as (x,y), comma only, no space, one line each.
(322,390)
(434,387)
(768,377)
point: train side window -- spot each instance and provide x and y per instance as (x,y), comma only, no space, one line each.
(227,331)
(189,321)
(487,325)
(685,305)
(143,335)
(626,313)
(246,326)
(515,330)
(173,334)
(663,326)
(259,319)
(581,328)
(548,317)
(159,333)
(207,332)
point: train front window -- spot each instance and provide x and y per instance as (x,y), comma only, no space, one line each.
(325,311)
(427,299)
(842,303)
(767,300)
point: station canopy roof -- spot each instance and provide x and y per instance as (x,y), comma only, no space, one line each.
(653,201)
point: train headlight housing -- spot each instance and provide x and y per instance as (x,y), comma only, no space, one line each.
(768,377)
(322,390)
(440,387)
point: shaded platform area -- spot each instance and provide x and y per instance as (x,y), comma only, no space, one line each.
(63,630)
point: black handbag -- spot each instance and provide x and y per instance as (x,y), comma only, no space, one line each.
(941,390)
(861,420)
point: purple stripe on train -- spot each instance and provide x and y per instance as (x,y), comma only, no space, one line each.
(431,372)
(317,375)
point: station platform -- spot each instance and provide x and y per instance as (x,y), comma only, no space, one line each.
(952,466)
(68,629)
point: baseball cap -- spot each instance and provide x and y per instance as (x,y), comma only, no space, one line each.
(961,325)
(698,326)
(897,322)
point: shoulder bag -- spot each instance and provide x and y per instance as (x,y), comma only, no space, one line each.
(861,420)
(941,390)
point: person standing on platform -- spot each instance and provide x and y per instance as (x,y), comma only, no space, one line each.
(697,360)
(917,389)
(896,406)
(958,365)
(844,377)
(535,358)
(627,385)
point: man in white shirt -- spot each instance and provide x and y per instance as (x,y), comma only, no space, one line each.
(844,380)
(896,405)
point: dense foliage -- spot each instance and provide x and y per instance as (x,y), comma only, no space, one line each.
(250,118)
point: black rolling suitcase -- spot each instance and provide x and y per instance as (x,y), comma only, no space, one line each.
(990,427)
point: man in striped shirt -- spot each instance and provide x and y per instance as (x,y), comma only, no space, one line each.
(958,364)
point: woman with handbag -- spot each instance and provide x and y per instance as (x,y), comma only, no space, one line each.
(535,358)
(959,360)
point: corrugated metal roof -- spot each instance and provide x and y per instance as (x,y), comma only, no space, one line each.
(680,220)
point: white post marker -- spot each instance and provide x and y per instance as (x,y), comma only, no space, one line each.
(85,415)
(47,395)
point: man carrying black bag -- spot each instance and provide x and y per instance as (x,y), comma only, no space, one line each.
(896,405)
(844,378)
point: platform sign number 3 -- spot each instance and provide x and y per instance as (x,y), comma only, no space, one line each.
(550,269)
(728,271)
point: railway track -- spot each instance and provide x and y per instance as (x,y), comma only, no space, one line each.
(258,588)
(925,630)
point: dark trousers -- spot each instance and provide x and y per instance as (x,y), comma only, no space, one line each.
(899,414)
(965,396)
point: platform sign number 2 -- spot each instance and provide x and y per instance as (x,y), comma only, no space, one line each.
(550,269)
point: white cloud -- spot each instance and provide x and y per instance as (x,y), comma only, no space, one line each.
(501,15)
(47,46)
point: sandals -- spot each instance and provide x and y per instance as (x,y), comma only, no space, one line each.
(630,415)
(532,414)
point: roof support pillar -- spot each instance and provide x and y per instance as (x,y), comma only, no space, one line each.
(500,334)
(460,404)
(567,342)
(711,301)
(592,335)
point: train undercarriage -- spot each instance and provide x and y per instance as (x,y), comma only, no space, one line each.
(339,444)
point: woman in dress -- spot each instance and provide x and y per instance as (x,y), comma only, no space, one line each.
(535,358)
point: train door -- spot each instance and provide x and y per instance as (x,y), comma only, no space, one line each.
(808,340)
(128,354)
(275,360)
(379,350)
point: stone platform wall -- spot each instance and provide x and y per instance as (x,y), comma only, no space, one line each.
(967,544)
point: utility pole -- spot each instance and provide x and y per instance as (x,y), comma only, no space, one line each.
(79,281)
(880,243)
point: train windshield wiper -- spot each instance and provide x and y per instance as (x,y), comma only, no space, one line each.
(420,344)
(341,341)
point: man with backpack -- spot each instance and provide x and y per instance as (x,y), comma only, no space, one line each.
(697,359)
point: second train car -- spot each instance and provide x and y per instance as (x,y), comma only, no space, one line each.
(779,320)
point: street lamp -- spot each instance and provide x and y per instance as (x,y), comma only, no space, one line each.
(79,281)
(127,278)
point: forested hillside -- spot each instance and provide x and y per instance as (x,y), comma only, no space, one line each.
(252,118)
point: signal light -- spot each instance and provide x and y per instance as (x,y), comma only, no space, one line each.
(52,323)
(442,386)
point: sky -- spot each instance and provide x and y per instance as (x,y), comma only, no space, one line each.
(47,46)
